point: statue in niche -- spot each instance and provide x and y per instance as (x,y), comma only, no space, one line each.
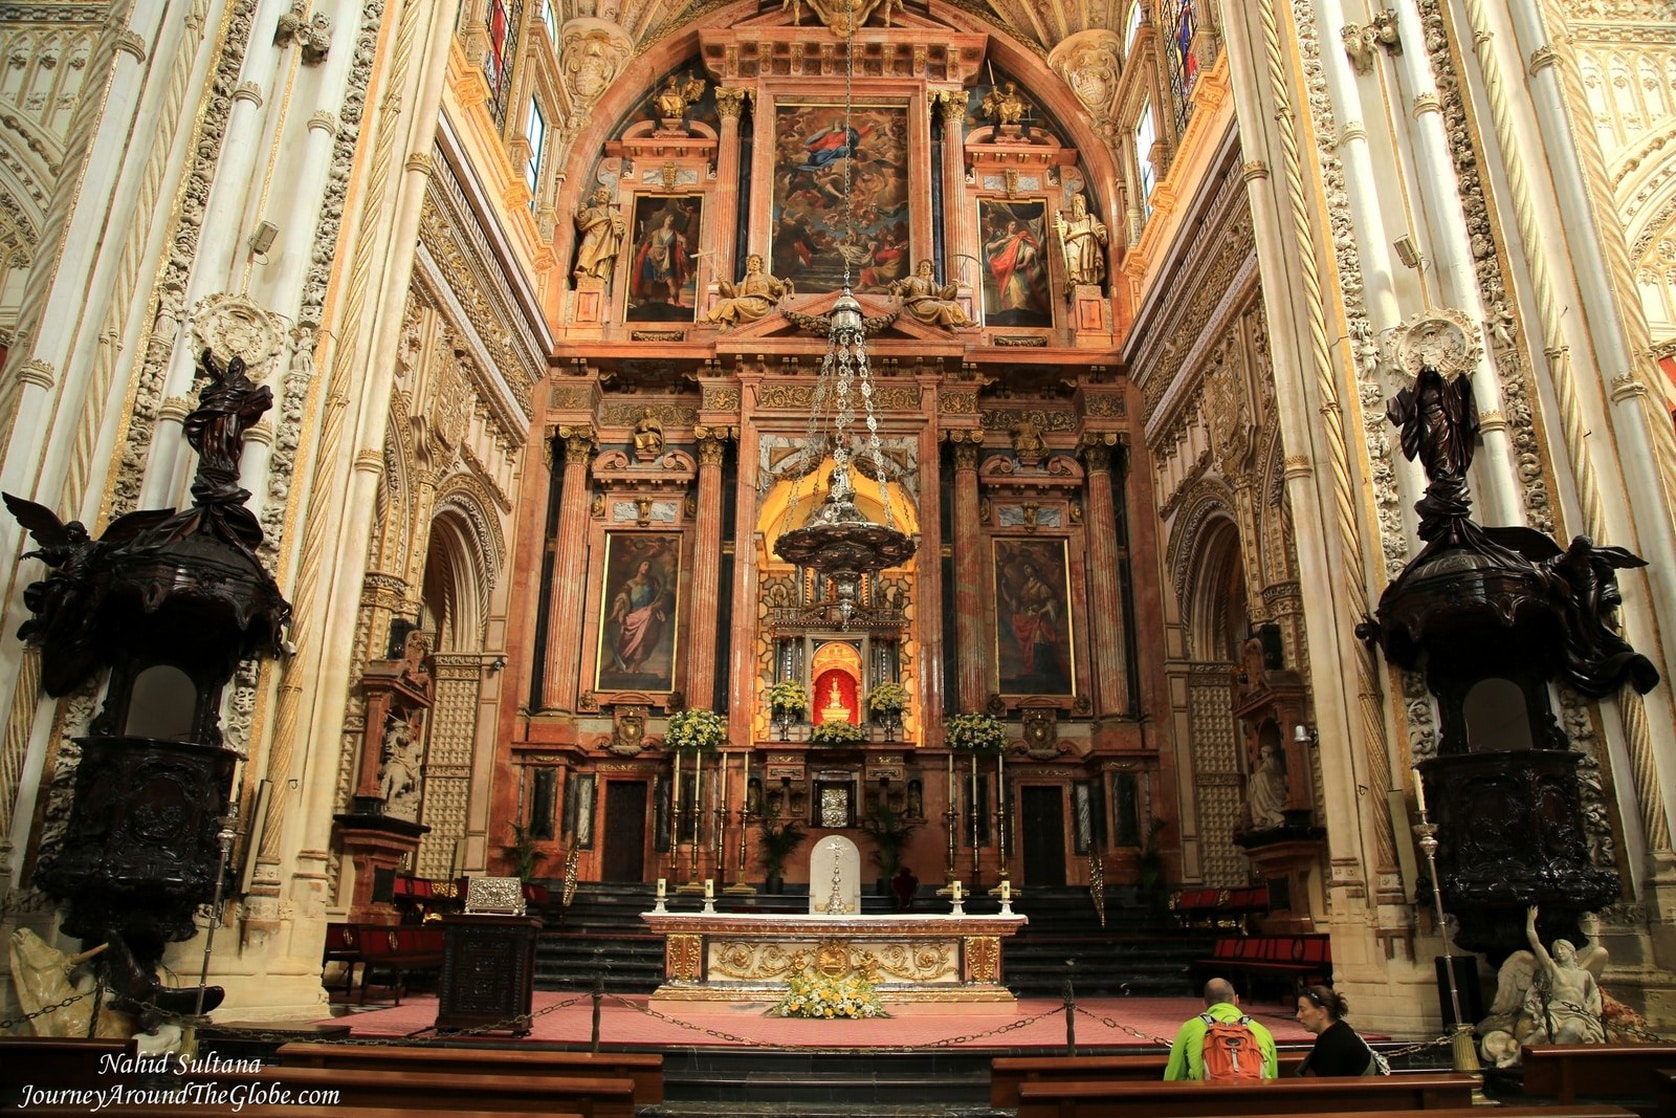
(602,228)
(676,97)
(929,301)
(751,298)
(648,436)
(1028,443)
(398,780)
(1005,106)
(1083,238)
(1266,791)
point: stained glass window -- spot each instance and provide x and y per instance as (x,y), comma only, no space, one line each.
(501,22)
(1178,23)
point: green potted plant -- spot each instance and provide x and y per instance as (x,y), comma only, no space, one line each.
(885,703)
(982,734)
(525,853)
(787,698)
(695,731)
(837,732)
(890,830)
(776,839)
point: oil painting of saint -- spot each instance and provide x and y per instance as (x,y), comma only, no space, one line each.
(663,284)
(638,610)
(1016,290)
(814,152)
(1033,618)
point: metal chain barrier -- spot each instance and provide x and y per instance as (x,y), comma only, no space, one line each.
(9,1023)
(1119,1026)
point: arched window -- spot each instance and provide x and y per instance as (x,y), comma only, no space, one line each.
(1178,23)
(1131,28)
(1146,137)
(501,19)
(535,131)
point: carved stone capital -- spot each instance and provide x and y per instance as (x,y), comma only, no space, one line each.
(730,101)
(966,456)
(580,442)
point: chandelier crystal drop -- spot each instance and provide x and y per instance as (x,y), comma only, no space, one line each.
(838,540)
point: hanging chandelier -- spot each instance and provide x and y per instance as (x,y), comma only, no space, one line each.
(838,540)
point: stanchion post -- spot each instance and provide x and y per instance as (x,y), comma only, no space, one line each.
(599,995)
(1070,1009)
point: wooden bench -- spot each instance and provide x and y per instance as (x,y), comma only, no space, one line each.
(588,1096)
(644,1069)
(52,1062)
(1215,907)
(1568,1072)
(1082,1099)
(343,945)
(398,951)
(1300,959)
(1006,1073)
(1504,1111)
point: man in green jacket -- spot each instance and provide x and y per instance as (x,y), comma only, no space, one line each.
(1187,1052)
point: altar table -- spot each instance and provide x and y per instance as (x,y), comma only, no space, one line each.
(911,959)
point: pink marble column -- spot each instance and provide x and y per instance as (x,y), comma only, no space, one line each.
(1105,611)
(723,218)
(707,565)
(928,568)
(570,568)
(958,216)
(968,578)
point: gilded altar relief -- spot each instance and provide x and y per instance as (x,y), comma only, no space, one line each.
(638,611)
(812,154)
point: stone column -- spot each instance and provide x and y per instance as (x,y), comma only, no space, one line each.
(958,235)
(707,565)
(723,218)
(968,576)
(570,558)
(1105,608)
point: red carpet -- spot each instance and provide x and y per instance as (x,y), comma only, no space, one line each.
(1036,1023)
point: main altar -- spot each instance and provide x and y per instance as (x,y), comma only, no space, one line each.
(911,959)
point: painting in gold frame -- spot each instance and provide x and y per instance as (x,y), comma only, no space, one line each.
(1034,651)
(638,609)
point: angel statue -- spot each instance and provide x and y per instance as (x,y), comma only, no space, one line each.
(1543,996)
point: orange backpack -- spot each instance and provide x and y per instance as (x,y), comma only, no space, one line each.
(1231,1052)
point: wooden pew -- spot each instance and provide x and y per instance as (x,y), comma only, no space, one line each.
(1007,1072)
(1275,1096)
(588,1096)
(51,1062)
(399,950)
(1514,1111)
(460,1057)
(1568,1072)
(167,1111)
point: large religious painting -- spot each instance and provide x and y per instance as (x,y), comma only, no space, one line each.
(1033,618)
(812,154)
(663,273)
(637,612)
(1016,290)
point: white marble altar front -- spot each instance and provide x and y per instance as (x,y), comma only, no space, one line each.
(912,959)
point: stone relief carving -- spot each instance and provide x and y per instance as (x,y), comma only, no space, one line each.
(592,53)
(231,326)
(1090,62)
(1443,337)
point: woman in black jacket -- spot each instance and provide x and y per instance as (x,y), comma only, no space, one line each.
(1338,1050)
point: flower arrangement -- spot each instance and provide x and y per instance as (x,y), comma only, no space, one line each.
(976,733)
(888,699)
(837,732)
(694,731)
(786,698)
(812,995)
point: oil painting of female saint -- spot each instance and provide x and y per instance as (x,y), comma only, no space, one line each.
(638,611)
(1033,618)
(663,285)
(1015,263)
(813,152)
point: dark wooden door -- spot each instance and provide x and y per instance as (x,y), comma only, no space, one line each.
(1043,833)
(625,831)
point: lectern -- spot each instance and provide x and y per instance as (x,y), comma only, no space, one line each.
(488,972)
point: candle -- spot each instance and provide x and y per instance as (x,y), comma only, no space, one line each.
(1419,791)
(955,892)
(709,888)
(662,889)
(1006,891)
(723,803)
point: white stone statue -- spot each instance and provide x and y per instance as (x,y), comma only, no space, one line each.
(1266,791)
(1543,996)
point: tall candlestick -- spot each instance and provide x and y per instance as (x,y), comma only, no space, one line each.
(723,804)
(1419,791)
(675,805)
